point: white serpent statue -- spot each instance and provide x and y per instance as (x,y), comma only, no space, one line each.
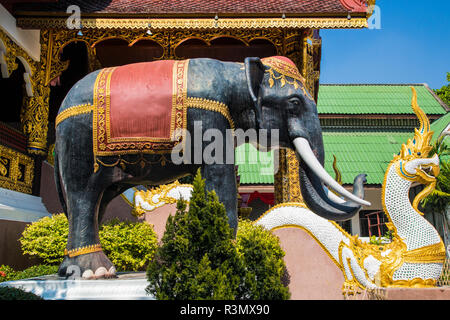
(414,257)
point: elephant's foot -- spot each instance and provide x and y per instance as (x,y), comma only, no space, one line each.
(95,265)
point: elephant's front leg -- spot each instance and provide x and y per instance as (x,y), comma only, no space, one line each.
(84,256)
(222,179)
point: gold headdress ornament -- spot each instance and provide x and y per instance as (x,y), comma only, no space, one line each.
(420,145)
(418,148)
(285,68)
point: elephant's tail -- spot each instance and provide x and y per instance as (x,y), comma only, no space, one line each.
(58,184)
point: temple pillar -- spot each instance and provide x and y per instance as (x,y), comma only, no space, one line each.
(35,120)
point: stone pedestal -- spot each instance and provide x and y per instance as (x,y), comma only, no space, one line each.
(17,206)
(128,286)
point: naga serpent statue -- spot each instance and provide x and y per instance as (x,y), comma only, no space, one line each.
(414,257)
(416,254)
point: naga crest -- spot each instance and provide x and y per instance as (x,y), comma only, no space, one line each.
(413,163)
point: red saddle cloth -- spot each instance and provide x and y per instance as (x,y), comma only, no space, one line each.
(139,107)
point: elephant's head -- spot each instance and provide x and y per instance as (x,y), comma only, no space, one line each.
(281,101)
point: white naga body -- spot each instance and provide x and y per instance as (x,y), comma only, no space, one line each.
(414,257)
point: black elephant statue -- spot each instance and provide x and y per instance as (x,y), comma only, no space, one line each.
(118,127)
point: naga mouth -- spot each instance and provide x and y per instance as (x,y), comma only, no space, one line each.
(431,171)
(427,168)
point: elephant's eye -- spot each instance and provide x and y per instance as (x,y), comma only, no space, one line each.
(295,101)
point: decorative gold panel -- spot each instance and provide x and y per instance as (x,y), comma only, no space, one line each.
(311,61)
(16,170)
(34,114)
(196,23)
(287,183)
(54,41)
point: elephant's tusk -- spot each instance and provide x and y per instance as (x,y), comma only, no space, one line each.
(334,197)
(303,148)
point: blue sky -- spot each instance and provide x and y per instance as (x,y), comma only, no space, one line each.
(412,46)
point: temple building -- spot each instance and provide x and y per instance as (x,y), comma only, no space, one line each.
(47,46)
(363,126)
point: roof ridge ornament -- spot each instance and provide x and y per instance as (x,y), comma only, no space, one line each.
(355,5)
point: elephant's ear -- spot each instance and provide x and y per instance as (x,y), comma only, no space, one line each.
(254,71)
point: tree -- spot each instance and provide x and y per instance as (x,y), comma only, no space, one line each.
(197,258)
(263,259)
(438,201)
(439,198)
(444,92)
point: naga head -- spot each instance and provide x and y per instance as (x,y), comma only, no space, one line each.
(413,162)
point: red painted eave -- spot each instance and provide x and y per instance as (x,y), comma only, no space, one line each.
(198,7)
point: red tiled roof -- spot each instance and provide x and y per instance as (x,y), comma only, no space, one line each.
(179,7)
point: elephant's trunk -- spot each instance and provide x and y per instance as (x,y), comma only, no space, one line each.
(312,174)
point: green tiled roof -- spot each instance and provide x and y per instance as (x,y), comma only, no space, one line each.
(254,167)
(356,152)
(375,99)
(439,125)
(362,152)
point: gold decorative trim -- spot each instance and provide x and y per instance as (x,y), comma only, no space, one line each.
(285,70)
(83,250)
(73,111)
(202,23)
(337,172)
(419,146)
(414,283)
(147,195)
(16,170)
(434,253)
(211,105)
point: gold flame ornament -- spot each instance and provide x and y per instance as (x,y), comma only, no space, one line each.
(420,145)
(418,149)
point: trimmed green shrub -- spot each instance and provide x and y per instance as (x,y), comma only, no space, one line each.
(263,258)
(9,274)
(129,245)
(10,293)
(199,258)
(46,239)
(6,273)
